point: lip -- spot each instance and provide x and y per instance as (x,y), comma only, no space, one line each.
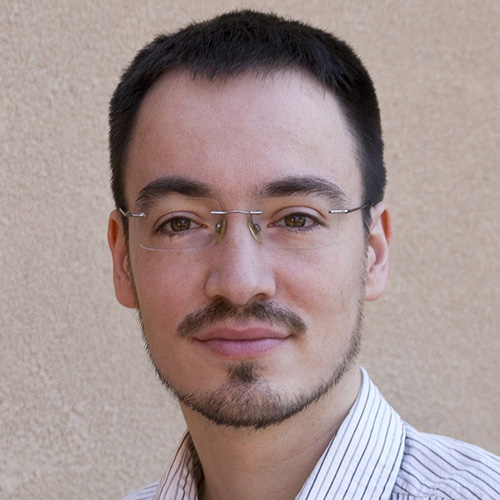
(238,343)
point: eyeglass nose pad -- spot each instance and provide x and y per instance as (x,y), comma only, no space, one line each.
(220,229)
(255,229)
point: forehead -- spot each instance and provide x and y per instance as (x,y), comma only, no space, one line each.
(241,132)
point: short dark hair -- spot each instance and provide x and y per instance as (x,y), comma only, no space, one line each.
(244,42)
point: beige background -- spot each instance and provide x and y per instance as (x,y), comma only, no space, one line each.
(81,414)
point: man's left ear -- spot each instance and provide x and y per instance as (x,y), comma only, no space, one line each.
(377,262)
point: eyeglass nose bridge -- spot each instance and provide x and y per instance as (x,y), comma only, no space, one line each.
(220,227)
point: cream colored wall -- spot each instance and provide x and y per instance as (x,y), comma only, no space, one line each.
(81,414)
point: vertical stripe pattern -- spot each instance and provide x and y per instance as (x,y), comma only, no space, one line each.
(374,456)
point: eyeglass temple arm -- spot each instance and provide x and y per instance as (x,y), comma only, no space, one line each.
(141,215)
(350,210)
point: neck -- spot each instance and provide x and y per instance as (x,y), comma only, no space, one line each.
(249,464)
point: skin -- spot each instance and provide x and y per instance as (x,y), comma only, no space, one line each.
(234,136)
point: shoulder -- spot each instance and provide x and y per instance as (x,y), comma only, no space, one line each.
(440,467)
(146,493)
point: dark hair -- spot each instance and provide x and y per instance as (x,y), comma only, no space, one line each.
(244,42)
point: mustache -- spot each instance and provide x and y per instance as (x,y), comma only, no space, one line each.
(220,311)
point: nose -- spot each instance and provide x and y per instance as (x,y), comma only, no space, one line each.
(240,269)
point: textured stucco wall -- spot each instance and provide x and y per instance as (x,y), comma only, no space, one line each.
(81,414)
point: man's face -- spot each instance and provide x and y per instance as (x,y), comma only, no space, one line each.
(246,333)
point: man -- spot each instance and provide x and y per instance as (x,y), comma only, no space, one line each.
(248,176)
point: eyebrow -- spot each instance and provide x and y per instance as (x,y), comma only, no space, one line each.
(164,186)
(287,186)
(302,185)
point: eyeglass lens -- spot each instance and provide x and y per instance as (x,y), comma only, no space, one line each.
(179,223)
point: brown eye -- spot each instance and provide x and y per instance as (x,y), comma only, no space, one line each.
(295,220)
(180,224)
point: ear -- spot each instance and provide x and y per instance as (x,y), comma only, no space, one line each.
(377,262)
(122,279)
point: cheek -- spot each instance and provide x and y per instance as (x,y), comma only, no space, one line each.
(317,277)
(325,290)
(167,289)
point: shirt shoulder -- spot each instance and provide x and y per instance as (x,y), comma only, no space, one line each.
(146,493)
(442,468)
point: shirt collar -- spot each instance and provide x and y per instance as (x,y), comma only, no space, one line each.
(182,478)
(363,459)
(361,462)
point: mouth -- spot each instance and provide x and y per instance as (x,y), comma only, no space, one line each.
(244,343)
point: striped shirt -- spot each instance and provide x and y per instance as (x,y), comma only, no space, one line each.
(374,455)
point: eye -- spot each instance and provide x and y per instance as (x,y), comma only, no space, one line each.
(298,220)
(176,226)
(180,224)
(295,220)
